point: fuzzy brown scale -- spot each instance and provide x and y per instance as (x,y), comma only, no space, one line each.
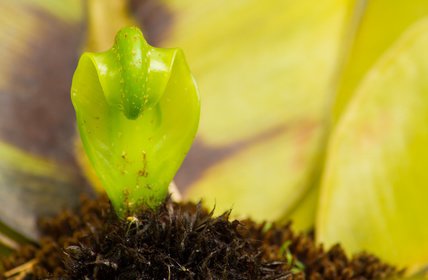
(143,172)
(182,241)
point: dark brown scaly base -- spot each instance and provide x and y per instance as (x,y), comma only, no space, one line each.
(181,241)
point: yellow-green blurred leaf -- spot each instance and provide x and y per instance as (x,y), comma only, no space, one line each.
(374,194)
(303,216)
(264,70)
(379,24)
(31,187)
(38,175)
(105,19)
(68,10)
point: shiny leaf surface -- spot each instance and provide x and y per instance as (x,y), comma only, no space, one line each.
(137,110)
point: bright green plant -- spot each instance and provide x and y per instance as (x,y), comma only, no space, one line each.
(137,110)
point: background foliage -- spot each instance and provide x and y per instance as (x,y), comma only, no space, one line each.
(310,112)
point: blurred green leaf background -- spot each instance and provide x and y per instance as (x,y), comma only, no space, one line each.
(311,111)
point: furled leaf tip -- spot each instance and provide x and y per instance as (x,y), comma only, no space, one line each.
(137,110)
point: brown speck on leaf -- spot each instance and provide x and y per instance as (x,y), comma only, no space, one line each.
(143,173)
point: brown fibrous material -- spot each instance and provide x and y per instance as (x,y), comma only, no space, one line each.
(182,241)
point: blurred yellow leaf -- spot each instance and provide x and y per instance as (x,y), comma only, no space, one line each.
(32,187)
(374,194)
(264,69)
(105,19)
(379,24)
(38,175)
(68,10)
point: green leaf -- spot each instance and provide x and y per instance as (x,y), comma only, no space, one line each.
(137,110)
(374,191)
